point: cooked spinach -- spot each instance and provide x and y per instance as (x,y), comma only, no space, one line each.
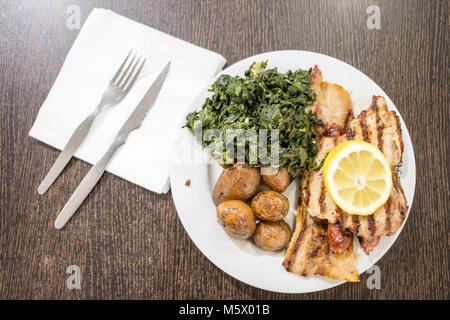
(263,99)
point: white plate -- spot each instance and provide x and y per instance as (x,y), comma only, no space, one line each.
(241,259)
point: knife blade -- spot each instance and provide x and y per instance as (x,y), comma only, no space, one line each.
(133,122)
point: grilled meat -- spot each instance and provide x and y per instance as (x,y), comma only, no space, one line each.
(380,127)
(309,251)
(321,243)
(314,195)
(333,104)
(368,244)
(385,221)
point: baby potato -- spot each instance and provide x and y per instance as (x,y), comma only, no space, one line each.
(278,181)
(237,219)
(272,235)
(238,182)
(269,205)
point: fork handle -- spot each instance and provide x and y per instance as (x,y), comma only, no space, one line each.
(86,185)
(64,157)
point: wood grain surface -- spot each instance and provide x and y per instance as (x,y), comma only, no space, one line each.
(129,242)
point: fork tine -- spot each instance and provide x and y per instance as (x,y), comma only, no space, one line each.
(131,73)
(123,81)
(130,84)
(126,71)
(121,67)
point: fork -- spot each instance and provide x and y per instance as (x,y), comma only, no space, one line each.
(117,89)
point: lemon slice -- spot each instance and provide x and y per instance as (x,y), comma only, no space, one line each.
(357,177)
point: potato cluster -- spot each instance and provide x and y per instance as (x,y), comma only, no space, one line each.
(262,219)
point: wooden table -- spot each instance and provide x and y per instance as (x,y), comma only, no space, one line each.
(129,242)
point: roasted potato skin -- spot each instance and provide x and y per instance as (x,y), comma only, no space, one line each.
(272,235)
(269,205)
(238,182)
(237,219)
(278,181)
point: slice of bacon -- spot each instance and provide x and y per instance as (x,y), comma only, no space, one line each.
(309,251)
(332,105)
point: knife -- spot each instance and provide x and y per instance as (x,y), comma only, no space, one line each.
(133,122)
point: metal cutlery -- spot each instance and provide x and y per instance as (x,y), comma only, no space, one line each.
(133,122)
(117,89)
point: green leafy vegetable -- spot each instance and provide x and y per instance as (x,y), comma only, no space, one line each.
(263,99)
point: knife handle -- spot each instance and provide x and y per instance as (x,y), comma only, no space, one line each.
(64,157)
(86,185)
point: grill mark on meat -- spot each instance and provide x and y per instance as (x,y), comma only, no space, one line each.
(288,263)
(379,130)
(329,256)
(309,242)
(315,251)
(403,211)
(306,194)
(349,133)
(388,215)
(382,211)
(382,145)
(399,130)
(372,227)
(341,229)
(371,129)
(316,246)
(323,206)
(363,123)
(357,223)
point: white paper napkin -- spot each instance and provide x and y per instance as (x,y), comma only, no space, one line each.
(96,54)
